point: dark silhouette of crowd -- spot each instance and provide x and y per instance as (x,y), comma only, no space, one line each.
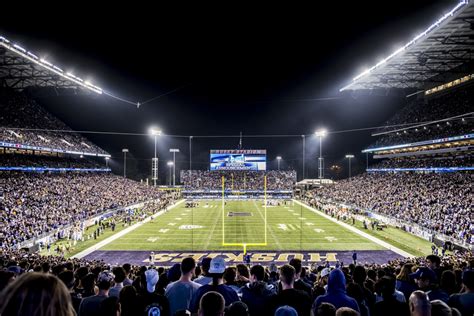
(31,284)
(238,180)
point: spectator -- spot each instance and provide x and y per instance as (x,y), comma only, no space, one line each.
(150,300)
(464,302)
(127,268)
(336,293)
(390,305)
(36,294)
(257,294)
(90,305)
(237,308)
(211,304)
(204,278)
(119,277)
(180,293)
(299,300)
(128,300)
(419,304)
(325,309)
(216,271)
(68,279)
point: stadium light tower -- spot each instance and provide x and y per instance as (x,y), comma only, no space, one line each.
(170,164)
(155,132)
(125,151)
(349,156)
(174,151)
(321,133)
(278,161)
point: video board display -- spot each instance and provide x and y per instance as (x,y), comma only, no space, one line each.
(238,159)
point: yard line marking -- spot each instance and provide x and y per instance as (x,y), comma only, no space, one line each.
(212,231)
(108,240)
(357,231)
(270,229)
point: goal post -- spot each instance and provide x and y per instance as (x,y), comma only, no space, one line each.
(246,243)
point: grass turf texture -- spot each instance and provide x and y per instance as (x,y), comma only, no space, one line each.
(291,227)
(405,241)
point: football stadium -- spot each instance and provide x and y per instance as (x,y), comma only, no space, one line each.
(185,170)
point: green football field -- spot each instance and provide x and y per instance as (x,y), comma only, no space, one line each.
(214,226)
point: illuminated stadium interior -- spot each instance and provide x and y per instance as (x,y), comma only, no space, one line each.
(234,169)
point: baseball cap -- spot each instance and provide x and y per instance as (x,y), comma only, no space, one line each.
(152,278)
(14,269)
(286,311)
(105,276)
(325,272)
(423,273)
(217,265)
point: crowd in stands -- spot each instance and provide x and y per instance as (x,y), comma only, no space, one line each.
(32,204)
(429,162)
(439,202)
(19,111)
(10,160)
(238,180)
(455,102)
(31,284)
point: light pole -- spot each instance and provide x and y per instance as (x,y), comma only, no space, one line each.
(278,161)
(174,151)
(125,151)
(321,133)
(107,162)
(155,132)
(170,164)
(349,157)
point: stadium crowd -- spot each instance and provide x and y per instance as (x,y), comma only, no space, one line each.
(32,204)
(454,103)
(238,180)
(18,111)
(439,202)
(11,160)
(430,162)
(31,284)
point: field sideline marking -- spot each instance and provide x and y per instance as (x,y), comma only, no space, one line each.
(127,230)
(357,231)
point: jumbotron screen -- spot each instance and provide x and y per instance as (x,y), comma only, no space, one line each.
(239,159)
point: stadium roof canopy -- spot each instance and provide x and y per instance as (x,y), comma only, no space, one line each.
(444,48)
(20,69)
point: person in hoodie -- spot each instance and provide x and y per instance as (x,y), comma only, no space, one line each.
(257,293)
(336,293)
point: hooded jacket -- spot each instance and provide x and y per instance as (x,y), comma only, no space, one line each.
(336,293)
(257,295)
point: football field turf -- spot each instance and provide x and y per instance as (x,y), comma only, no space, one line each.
(210,227)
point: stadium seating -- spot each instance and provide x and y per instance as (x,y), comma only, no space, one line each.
(32,204)
(238,180)
(438,202)
(453,103)
(18,111)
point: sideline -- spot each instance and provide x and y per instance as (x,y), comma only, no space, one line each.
(359,232)
(108,240)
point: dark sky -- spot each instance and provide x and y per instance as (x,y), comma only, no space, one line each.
(259,70)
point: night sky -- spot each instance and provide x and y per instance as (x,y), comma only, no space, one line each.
(259,70)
